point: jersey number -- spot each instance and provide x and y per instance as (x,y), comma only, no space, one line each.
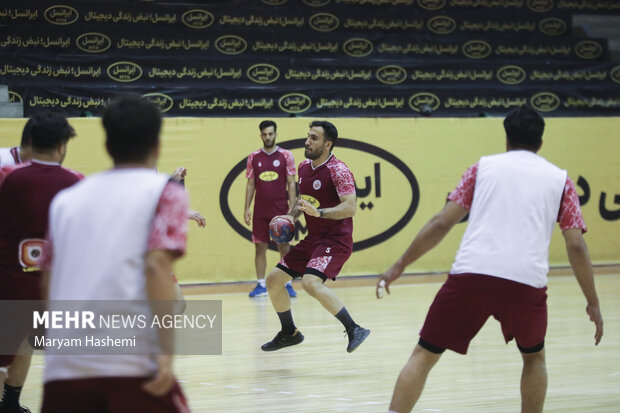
(30,253)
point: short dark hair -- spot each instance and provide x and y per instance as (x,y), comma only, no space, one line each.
(132,127)
(46,131)
(267,123)
(524,128)
(329,130)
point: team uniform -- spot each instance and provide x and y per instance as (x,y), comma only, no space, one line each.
(270,172)
(26,191)
(500,269)
(100,231)
(10,156)
(329,242)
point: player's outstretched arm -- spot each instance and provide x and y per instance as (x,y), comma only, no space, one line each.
(582,268)
(429,236)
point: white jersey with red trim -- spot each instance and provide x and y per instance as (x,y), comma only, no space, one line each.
(516,201)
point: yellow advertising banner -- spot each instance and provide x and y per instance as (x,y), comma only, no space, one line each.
(404,169)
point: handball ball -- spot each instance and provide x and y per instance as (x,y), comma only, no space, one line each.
(281,230)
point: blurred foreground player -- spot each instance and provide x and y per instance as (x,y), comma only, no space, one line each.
(145,217)
(26,191)
(327,191)
(271,174)
(500,269)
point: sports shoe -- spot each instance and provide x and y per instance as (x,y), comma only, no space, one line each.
(291,291)
(258,291)
(282,340)
(17,409)
(357,335)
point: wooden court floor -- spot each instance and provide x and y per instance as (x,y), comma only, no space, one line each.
(320,376)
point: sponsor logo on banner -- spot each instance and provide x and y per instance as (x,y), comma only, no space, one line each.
(312,200)
(231,44)
(424,101)
(93,42)
(375,199)
(391,75)
(357,47)
(274,2)
(161,100)
(477,49)
(197,19)
(61,15)
(540,6)
(587,49)
(615,74)
(263,73)
(323,22)
(511,75)
(295,103)
(432,4)
(552,26)
(268,176)
(15,97)
(545,101)
(441,25)
(317,3)
(124,72)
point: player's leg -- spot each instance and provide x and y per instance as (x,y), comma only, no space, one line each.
(533,382)
(260,263)
(412,378)
(283,249)
(523,315)
(288,335)
(17,373)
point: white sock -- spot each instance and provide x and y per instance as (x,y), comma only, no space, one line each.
(261,282)
(288,283)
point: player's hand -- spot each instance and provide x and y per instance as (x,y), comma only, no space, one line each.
(594,311)
(164,378)
(179,174)
(289,217)
(307,207)
(195,216)
(247,216)
(388,277)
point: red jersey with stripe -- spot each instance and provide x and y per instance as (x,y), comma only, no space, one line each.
(26,192)
(322,187)
(270,171)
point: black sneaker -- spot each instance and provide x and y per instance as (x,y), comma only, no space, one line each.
(357,335)
(282,340)
(15,409)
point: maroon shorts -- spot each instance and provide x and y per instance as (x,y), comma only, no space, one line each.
(321,257)
(466,301)
(260,230)
(109,394)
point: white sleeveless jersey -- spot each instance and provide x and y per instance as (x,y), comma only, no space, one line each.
(515,206)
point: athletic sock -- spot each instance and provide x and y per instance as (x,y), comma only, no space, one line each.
(346,320)
(261,282)
(10,396)
(286,319)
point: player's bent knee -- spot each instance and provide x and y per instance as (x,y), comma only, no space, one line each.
(277,278)
(311,284)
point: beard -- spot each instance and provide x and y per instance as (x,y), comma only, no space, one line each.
(269,144)
(313,155)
